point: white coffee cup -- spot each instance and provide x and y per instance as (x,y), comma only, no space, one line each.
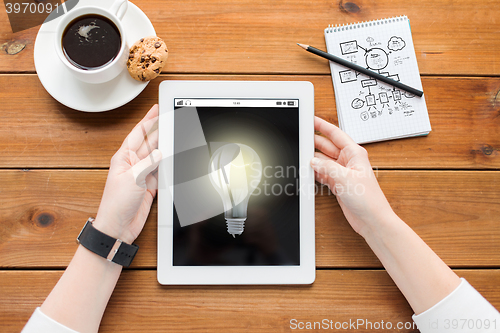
(102,74)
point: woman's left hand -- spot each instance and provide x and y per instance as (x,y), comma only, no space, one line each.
(131,184)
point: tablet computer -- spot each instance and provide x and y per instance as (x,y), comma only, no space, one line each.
(236,190)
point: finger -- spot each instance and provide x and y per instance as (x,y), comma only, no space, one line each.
(150,143)
(339,138)
(152,184)
(321,155)
(320,178)
(136,137)
(145,166)
(327,167)
(326,146)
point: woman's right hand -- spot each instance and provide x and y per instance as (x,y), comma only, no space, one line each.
(343,165)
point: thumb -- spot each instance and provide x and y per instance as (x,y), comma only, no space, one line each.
(145,166)
(328,167)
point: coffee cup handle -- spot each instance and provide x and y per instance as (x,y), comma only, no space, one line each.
(119,8)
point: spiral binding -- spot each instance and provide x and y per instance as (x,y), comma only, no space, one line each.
(364,24)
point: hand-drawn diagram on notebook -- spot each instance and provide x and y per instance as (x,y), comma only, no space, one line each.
(368,109)
(375,99)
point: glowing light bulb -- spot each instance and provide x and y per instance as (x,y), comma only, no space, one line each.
(235,171)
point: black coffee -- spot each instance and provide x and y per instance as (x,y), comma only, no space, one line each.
(91,41)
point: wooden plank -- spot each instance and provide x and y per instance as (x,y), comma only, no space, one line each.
(39,132)
(140,304)
(235,36)
(456,212)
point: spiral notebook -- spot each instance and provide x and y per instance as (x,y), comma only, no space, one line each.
(369,110)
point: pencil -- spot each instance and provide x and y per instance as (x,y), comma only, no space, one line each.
(363,70)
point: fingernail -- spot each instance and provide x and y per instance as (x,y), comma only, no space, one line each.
(315,161)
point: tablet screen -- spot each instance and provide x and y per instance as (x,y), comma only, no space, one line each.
(213,223)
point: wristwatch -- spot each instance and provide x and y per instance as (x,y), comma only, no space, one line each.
(112,249)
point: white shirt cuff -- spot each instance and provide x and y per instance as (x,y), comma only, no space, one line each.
(464,310)
(41,323)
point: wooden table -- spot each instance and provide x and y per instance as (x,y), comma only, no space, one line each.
(446,186)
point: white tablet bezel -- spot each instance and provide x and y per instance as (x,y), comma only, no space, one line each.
(219,275)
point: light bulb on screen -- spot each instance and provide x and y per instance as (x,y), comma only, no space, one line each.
(235,171)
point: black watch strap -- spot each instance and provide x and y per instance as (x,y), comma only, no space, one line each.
(106,246)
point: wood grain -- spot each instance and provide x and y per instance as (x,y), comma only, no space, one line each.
(38,132)
(234,36)
(140,304)
(456,212)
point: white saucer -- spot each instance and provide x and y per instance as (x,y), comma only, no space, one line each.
(76,94)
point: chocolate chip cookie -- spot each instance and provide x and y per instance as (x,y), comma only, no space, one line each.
(147,58)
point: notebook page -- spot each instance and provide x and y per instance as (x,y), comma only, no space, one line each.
(370,110)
